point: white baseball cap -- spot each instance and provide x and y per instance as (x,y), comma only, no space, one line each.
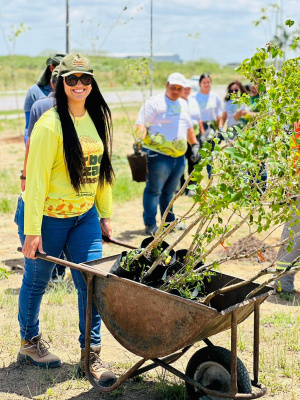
(188,83)
(176,79)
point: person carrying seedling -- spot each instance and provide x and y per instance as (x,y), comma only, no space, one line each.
(165,124)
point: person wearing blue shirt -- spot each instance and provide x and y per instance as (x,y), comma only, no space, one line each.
(41,89)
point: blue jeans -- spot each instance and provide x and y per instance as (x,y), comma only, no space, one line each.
(80,239)
(58,270)
(163,177)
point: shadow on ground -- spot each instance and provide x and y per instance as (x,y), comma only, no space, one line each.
(131,235)
(29,381)
(15,264)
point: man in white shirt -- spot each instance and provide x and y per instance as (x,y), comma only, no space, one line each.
(165,123)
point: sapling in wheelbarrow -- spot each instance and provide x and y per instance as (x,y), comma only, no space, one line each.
(254,184)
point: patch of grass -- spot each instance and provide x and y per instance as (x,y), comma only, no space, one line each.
(114,72)
(57,293)
(166,389)
(287,296)
(4,274)
(125,189)
(12,127)
(280,318)
(9,112)
(6,206)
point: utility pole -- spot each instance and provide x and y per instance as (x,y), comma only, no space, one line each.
(151,48)
(67,28)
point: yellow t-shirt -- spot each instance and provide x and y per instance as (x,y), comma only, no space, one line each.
(48,186)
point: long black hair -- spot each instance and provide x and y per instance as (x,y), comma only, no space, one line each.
(101,117)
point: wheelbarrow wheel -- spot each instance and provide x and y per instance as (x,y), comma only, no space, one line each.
(210,367)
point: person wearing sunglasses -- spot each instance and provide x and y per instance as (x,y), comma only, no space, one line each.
(41,89)
(68,188)
(233,113)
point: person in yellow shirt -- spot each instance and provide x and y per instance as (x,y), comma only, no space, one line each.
(68,188)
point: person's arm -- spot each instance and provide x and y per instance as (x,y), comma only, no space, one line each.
(40,160)
(44,144)
(224,117)
(23,181)
(220,122)
(191,137)
(27,107)
(145,118)
(32,119)
(106,228)
(141,131)
(103,203)
(201,127)
(237,115)
(219,113)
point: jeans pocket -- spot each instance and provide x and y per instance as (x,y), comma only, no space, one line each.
(18,209)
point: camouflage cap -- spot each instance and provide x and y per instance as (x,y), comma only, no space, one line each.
(74,64)
(55,59)
(45,76)
(54,75)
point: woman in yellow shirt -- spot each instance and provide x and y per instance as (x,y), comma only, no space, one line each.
(68,188)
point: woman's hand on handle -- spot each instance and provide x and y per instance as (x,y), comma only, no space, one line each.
(32,243)
(106,227)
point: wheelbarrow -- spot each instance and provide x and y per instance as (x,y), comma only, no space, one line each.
(160,328)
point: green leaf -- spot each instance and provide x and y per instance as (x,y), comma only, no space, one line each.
(234,153)
(289,22)
(202,153)
(237,196)
(192,187)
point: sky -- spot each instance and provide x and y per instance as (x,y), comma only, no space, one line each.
(210,29)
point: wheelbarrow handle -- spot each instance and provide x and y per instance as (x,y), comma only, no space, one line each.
(80,267)
(119,242)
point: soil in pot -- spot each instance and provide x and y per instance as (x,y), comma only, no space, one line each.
(121,266)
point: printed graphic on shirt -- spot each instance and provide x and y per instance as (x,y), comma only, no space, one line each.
(62,208)
(92,152)
(157,142)
(167,123)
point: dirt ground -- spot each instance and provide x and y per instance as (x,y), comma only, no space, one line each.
(280,341)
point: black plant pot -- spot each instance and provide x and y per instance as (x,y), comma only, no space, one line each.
(134,273)
(155,278)
(164,245)
(180,255)
(138,166)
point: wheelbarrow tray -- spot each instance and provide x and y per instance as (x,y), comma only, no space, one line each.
(151,323)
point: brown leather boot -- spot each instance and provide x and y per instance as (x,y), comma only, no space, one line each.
(35,351)
(97,367)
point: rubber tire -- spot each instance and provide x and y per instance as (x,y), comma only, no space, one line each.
(221,356)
